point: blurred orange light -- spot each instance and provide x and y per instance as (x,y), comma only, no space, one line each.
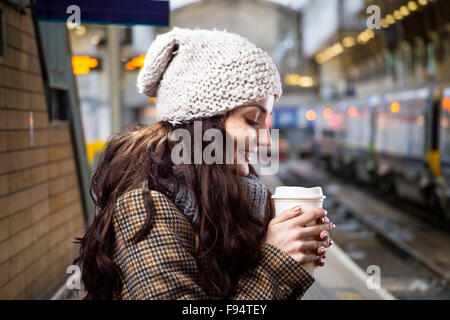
(390,19)
(335,121)
(152,99)
(412,6)
(353,112)
(306,82)
(405,11)
(348,42)
(327,113)
(292,79)
(83,64)
(136,62)
(446,104)
(310,115)
(395,107)
(398,15)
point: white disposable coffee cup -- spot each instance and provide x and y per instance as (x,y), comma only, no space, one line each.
(308,198)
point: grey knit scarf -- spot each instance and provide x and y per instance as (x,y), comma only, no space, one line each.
(255,189)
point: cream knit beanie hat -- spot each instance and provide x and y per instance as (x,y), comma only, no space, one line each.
(202,73)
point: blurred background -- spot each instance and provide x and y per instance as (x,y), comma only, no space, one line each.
(365,113)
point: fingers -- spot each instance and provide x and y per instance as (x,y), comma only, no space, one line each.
(313,231)
(321,250)
(312,258)
(320,262)
(304,244)
(310,216)
(318,247)
(288,214)
(307,258)
(324,235)
(322,220)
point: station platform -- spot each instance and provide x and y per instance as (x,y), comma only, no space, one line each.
(340,278)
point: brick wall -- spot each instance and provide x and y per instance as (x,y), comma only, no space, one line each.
(40,203)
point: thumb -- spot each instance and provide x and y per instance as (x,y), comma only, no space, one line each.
(288,214)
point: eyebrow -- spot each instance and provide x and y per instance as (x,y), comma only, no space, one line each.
(259,106)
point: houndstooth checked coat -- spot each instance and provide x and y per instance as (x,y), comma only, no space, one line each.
(162,266)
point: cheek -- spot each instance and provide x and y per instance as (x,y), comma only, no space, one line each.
(246,139)
(242,134)
(252,135)
(243,169)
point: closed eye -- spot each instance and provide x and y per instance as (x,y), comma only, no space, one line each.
(251,122)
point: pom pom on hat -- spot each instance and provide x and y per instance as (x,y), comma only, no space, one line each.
(155,64)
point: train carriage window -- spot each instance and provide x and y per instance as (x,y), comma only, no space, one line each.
(382,126)
(358,127)
(398,128)
(444,129)
(405,121)
(367,127)
(418,127)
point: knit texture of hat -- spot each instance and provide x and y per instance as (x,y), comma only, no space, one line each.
(202,73)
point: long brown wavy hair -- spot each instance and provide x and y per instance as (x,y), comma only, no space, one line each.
(228,235)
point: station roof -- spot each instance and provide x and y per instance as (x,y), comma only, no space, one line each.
(292,4)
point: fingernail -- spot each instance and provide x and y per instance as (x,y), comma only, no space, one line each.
(331,242)
(298,208)
(326,212)
(321,220)
(323,251)
(325,235)
(327,220)
(333,226)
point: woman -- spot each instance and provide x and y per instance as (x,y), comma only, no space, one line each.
(197,229)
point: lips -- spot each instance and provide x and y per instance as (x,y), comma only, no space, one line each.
(247,154)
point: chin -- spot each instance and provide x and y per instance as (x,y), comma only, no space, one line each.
(243,170)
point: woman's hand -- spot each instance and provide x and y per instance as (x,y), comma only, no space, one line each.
(323,236)
(304,244)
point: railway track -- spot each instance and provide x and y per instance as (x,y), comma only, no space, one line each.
(413,254)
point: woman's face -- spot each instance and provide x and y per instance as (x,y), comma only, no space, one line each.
(248,126)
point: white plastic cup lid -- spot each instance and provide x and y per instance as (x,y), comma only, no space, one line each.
(298,193)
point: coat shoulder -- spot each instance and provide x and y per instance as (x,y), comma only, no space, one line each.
(162,264)
(131,209)
(133,202)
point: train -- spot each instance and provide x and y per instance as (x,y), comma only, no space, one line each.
(397,141)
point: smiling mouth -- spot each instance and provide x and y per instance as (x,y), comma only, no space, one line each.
(247,154)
